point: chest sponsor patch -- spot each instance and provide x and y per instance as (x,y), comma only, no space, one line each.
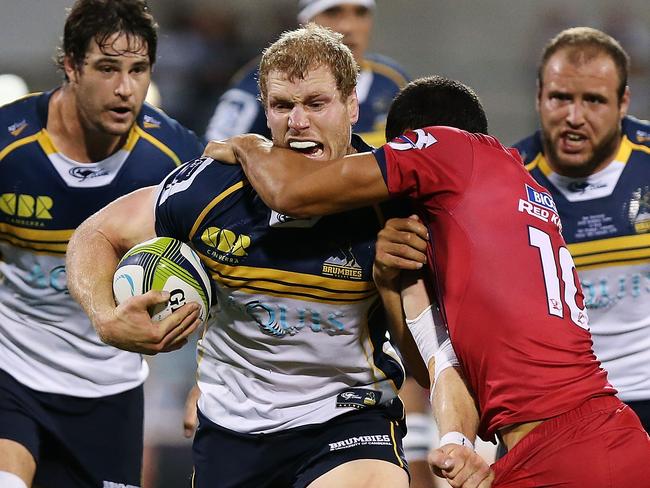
(540,205)
(358,398)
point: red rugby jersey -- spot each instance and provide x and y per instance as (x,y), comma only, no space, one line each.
(511,297)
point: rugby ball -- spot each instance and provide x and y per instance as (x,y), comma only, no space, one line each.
(165,264)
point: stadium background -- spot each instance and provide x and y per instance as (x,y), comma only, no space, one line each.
(491,45)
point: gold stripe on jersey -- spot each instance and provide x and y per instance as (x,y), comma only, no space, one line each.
(163,147)
(18,143)
(46,142)
(289,284)
(615,251)
(392,437)
(214,202)
(38,240)
(385,70)
(535,162)
(623,155)
(639,147)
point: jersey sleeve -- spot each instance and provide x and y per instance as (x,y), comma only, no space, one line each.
(181,197)
(427,163)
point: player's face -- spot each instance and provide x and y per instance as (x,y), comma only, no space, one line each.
(580,113)
(353,21)
(309,115)
(111,85)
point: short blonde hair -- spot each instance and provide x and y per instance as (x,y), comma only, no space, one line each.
(298,51)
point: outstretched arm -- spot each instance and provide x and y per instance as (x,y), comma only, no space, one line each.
(298,186)
(400,250)
(93,253)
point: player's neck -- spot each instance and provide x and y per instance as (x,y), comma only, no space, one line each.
(73,138)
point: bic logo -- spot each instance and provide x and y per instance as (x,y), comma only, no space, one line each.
(226,241)
(20,205)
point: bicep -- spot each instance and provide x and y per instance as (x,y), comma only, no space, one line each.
(128,220)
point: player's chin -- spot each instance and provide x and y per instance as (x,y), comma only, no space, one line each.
(118,129)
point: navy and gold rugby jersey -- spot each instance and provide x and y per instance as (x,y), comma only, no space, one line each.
(290,342)
(46,341)
(239,109)
(606,224)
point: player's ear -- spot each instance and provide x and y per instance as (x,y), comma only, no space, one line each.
(70,69)
(624,102)
(353,107)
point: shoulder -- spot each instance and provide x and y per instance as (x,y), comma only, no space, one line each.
(637,131)
(385,68)
(205,178)
(246,77)
(530,148)
(22,118)
(167,134)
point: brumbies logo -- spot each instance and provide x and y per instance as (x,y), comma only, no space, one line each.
(422,140)
(344,265)
(540,205)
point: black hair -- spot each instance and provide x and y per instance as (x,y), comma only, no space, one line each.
(98,20)
(435,100)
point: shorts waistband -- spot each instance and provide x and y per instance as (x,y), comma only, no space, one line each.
(588,407)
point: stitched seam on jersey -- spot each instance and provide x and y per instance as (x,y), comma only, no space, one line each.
(18,143)
(384,70)
(215,201)
(164,148)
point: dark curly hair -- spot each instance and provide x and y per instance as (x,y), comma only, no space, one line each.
(99,20)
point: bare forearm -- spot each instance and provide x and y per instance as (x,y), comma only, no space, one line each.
(90,264)
(96,247)
(453,405)
(399,332)
(298,186)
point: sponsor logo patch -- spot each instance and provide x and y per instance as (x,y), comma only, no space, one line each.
(358,398)
(422,140)
(362,440)
(17,128)
(344,265)
(540,205)
(151,123)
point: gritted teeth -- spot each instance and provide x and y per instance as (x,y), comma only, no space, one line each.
(302,144)
(574,137)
